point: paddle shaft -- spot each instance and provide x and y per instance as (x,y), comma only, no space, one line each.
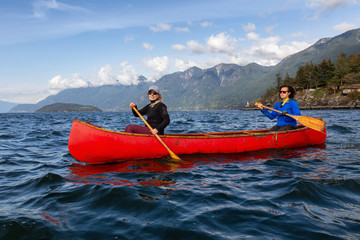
(172,154)
(309,122)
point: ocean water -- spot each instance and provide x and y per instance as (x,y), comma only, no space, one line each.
(302,193)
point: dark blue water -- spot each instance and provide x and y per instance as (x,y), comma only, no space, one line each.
(304,193)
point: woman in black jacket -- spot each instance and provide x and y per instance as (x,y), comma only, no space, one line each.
(157,115)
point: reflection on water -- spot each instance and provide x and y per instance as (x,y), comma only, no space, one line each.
(165,167)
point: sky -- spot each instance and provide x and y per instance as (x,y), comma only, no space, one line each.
(50,45)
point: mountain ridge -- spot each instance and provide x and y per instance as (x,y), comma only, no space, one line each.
(224,86)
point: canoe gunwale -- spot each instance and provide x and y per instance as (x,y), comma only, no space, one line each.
(260,132)
(91,144)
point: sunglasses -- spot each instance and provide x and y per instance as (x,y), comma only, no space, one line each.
(152,92)
(284,91)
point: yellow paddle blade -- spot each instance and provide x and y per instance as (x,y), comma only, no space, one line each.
(174,156)
(310,122)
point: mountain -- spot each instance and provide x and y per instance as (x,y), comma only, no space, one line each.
(107,98)
(325,48)
(219,87)
(67,107)
(224,86)
(6,106)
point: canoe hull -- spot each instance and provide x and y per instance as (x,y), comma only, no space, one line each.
(94,145)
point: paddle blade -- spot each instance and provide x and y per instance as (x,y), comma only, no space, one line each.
(174,156)
(310,122)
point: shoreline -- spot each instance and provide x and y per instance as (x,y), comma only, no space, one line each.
(342,107)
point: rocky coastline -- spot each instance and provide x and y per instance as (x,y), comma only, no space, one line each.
(315,100)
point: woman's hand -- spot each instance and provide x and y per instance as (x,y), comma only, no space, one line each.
(260,106)
(132,105)
(154,131)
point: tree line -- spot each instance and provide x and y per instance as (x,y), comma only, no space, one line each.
(326,74)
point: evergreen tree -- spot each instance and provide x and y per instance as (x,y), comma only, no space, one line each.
(354,63)
(278,81)
(341,69)
(325,72)
(301,78)
(310,71)
(289,80)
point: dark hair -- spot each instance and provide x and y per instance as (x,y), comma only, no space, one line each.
(290,89)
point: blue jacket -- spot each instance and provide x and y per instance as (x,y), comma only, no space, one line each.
(291,106)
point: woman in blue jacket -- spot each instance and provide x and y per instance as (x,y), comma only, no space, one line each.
(286,105)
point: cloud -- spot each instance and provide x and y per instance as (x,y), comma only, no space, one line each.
(206,24)
(23,94)
(221,43)
(106,77)
(249,27)
(269,51)
(160,27)
(124,74)
(41,7)
(128,39)
(181,29)
(344,26)
(127,74)
(328,4)
(157,66)
(269,29)
(147,46)
(195,47)
(183,64)
(58,83)
(178,47)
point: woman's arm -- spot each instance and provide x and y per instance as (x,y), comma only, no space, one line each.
(165,116)
(273,114)
(142,111)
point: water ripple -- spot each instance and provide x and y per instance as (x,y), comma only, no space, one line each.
(303,193)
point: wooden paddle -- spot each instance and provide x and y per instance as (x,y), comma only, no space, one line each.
(172,154)
(309,122)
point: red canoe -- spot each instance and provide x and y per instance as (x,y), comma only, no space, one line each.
(95,145)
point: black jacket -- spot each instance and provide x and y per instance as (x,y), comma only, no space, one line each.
(157,116)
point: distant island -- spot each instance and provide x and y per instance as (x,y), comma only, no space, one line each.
(67,107)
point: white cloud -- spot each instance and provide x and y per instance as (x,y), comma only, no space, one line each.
(105,76)
(249,27)
(157,66)
(128,39)
(161,27)
(206,24)
(41,7)
(178,47)
(269,29)
(183,64)
(58,83)
(222,43)
(344,26)
(124,74)
(181,29)
(328,4)
(23,94)
(195,47)
(148,46)
(269,51)
(127,74)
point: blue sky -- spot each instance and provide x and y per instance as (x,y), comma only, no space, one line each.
(50,45)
